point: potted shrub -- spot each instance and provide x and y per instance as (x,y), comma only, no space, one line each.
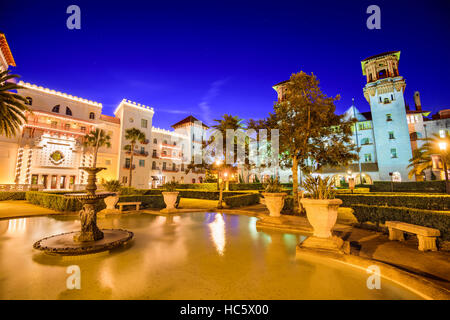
(321,206)
(112,186)
(274,197)
(170,195)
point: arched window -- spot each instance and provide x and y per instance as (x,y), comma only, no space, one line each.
(29,101)
(92,115)
(155,141)
(56,109)
(165,141)
(68,111)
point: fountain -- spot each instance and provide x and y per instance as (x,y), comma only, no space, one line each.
(90,239)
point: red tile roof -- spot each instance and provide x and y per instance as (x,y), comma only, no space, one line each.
(189,119)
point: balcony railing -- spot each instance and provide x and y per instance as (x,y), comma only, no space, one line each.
(127,166)
(58,128)
(170,170)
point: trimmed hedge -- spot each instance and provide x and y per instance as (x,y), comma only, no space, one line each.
(428,218)
(415,201)
(196,186)
(356,190)
(209,195)
(245,186)
(12,195)
(416,186)
(59,202)
(242,200)
(147,201)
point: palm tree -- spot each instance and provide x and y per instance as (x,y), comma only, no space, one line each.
(133,136)
(12,105)
(423,157)
(97,139)
(227,122)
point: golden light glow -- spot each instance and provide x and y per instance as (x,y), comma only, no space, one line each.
(217,228)
(443,146)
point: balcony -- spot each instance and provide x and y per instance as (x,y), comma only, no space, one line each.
(138,153)
(155,156)
(56,128)
(127,166)
(170,146)
(147,141)
(170,170)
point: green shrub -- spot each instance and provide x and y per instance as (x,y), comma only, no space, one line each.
(196,186)
(428,218)
(131,191)
(288,208)
(242,200)
(112,185)
(356,190)
(416,201)
(209,195)
(416,186)
(57,202)
(245,186)
(147,201)
(12,195)
(152,191)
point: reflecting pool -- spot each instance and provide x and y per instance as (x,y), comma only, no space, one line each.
(192,256)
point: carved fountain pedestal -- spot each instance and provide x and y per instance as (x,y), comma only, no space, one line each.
(90,239)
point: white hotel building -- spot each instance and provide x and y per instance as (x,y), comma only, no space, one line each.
(48,151)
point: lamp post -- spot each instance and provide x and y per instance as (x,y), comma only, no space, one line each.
(351,181)
(218,163)
(443,147)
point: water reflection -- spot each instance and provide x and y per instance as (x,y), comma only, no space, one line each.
(217,229)
(17,226)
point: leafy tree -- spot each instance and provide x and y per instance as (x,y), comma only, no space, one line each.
(219,165)
(422,157)
(133,136)
(95,140)
(12,105)
(311,135)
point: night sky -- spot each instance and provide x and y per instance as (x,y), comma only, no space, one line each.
(215,57)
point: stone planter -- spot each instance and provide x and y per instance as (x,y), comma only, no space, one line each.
(274,202)
(170,199)
(322,215)
(111,202)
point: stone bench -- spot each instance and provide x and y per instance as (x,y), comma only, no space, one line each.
(426,236)
(121,204)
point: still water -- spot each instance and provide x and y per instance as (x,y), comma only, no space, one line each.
(193,256)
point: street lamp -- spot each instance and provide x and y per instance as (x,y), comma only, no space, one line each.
(443,147)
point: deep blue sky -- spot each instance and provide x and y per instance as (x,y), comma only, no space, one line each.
(215,57)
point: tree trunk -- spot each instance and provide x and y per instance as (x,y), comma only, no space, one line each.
(131,166)
(220,195)
(94,164)
(295,182)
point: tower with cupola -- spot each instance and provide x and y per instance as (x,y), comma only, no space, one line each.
(384,91)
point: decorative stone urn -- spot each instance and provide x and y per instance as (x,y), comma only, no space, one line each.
(322,215)
(274,202)
(170,199)
(111,202)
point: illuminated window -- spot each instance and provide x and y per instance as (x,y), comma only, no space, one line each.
(442,133)
(393,153)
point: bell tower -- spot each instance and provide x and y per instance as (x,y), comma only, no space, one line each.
(384,91)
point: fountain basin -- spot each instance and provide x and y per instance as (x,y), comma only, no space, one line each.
(63,244)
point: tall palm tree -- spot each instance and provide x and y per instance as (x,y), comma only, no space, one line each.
(95,140)
(422,157)
(12,105)
(227,122)
(133,136)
